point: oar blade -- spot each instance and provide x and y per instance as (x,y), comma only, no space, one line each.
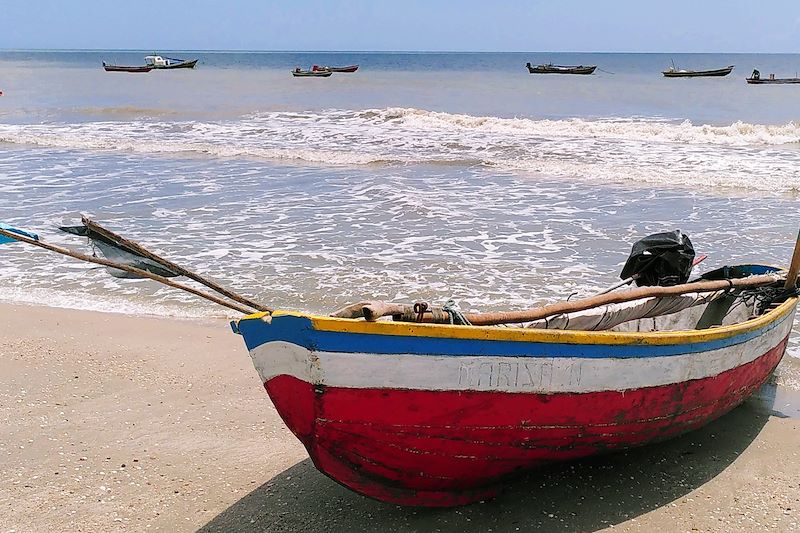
(12,229)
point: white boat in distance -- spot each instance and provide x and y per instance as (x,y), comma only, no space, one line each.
(161,62)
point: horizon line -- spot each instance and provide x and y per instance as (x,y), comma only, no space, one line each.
(254,51)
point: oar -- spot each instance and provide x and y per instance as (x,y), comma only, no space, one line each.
(144,252)
(127,268)
(4,240)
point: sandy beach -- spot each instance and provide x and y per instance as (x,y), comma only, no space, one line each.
(153,424)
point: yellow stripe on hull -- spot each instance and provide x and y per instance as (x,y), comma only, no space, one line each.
(490,333)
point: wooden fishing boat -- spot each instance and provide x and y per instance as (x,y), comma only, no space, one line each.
(297,73)
(560,69)
(166,63)
(767,81)
(673,72)
(120,68)
(439,415)
(351,68)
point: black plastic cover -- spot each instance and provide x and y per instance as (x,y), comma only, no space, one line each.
(660,259)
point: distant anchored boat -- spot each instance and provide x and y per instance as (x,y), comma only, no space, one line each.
(673,72)
(318,73)
(560,69)
(755,79)
(351,68)
(160,62)
(121,68)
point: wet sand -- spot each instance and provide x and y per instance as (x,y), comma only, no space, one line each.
(147,424)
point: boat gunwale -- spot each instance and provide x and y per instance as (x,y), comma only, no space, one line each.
(532,335)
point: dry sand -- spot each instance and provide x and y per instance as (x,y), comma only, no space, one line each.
(113,422)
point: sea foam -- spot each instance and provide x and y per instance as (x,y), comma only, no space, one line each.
(739,155)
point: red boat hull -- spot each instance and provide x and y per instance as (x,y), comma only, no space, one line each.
(351,68)
(446,448)
(442,415)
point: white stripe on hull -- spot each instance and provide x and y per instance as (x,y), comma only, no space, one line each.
(504,374)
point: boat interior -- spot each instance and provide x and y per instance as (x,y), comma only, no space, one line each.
(692,311)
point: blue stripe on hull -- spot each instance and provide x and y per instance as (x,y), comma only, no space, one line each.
(300,331)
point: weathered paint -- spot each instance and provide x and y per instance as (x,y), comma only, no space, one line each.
(387,419)
(543,372)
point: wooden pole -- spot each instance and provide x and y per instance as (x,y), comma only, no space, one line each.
(515,317)
(406,313)
(794,267)
(144,252)
(126,268)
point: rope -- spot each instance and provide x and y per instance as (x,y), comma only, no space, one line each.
(419,310)
(454,311)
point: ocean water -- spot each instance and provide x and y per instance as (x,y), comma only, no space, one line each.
(421,176)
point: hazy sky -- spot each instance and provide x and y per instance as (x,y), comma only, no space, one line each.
(465,25)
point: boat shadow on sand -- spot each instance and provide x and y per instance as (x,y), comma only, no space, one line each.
(580,496)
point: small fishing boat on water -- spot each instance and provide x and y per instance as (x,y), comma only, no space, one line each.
(351,68)
(297,73)
(166,63)
(121,68)
(775,81)
(673,72)
(550,68)
(418,405)
(756,79)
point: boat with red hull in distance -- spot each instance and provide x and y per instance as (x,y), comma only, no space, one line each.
(420,413)
(673,72)
(121,68)
(298,73)
(550,68)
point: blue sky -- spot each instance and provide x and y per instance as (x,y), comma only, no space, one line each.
(466,25)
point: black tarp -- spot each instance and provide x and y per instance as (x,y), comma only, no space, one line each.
(660,259)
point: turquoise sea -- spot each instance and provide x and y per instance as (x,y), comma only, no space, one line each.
(421,176)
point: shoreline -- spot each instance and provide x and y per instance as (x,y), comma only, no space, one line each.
(154,423)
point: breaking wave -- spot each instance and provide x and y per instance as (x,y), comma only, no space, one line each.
(501,214)
(736,134)
(647,150)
